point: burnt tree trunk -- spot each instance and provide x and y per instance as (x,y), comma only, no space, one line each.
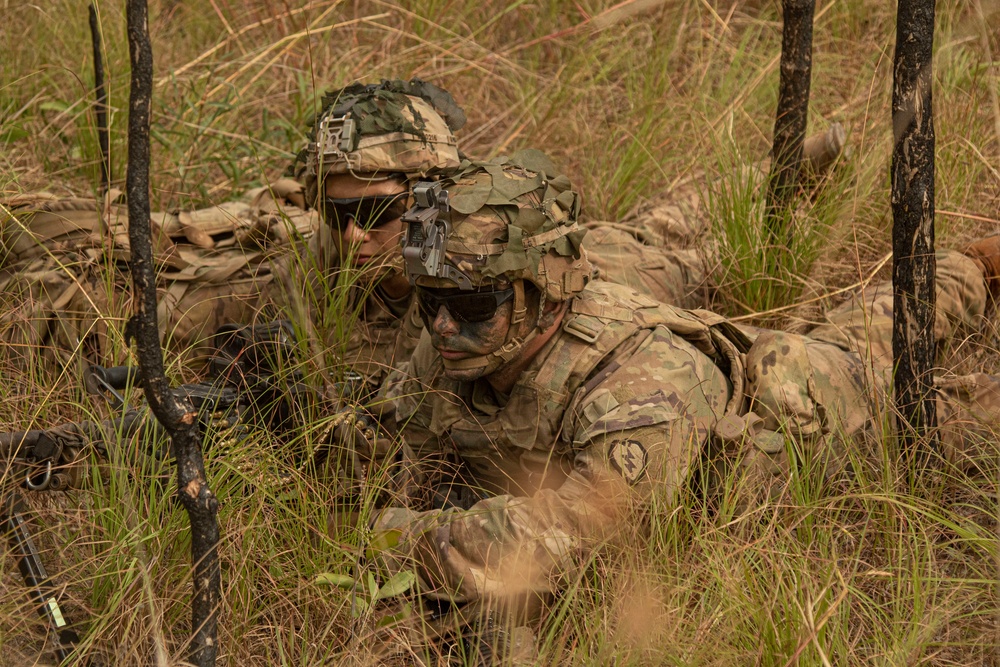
(101,106)
(792,114)
(175,413)
(913,266)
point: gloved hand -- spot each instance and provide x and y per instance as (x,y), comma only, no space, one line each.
(359,433)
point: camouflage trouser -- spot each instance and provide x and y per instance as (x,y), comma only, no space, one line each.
(828,386)
(663,249)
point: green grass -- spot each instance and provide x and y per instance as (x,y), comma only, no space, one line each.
(839,569)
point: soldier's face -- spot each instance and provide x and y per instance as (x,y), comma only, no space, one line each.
(364,216)
(456,340)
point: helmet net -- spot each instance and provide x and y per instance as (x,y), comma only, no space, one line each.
(384,129)
(493,223)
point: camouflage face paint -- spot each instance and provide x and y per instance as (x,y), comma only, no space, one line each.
(456,340)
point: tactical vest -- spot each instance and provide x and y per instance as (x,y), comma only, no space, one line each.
(525,444)
(64,268)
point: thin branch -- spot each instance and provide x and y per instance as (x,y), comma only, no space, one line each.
(101,107)
(174,412)
(792,114)
(914,264)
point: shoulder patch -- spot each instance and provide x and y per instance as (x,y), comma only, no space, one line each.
(629,458)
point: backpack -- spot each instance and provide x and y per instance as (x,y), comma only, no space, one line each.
(65,287)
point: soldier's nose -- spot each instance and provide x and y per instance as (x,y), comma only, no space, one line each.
(354,233)
(444,324)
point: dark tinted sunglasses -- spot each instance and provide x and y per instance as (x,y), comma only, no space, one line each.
(463,306)
(366,212)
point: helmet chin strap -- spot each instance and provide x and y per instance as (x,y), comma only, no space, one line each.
(512,346)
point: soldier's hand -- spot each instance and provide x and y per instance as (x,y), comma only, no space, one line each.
(361,434)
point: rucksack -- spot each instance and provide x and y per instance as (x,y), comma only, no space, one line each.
(64,269)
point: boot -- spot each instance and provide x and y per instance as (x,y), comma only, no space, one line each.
(820,151)
(986,254)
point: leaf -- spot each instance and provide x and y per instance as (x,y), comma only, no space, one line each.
(334,579)
(383,541)
(470,200)
(358,608)
(400,583)
(401,615)
(372,586)
(13,133)
(535,160)
(54,105)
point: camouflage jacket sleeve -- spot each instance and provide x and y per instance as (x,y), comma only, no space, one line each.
(636,434)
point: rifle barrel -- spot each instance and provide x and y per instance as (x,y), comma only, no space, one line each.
(29,562)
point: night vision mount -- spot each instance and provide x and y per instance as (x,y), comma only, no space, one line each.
(336,137)
(427,229)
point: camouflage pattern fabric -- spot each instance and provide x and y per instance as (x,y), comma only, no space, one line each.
(64,269)
(863,324)
(614,413)
(392,127)
(663,247)
(524,200)
(675,219)
(616,409)
(678,277)
(826,386)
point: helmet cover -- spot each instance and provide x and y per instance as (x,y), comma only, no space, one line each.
(498,221)
(393,127)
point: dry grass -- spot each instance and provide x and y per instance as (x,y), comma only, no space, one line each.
(629,98)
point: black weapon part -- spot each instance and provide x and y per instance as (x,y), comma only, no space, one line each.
(29,562)
(256,350)
(47,453)
(110,382)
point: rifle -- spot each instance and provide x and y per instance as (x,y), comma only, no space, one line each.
(29,562)
(41,454)
(245,384)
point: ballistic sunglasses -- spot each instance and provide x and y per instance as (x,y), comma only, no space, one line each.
(366,212)
(469,307)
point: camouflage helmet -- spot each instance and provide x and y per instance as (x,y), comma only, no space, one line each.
(392,127)
(497,225)
(498,221)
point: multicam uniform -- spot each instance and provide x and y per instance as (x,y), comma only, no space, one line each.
(616,409)
(662,248)
(831,381)
(678,276)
